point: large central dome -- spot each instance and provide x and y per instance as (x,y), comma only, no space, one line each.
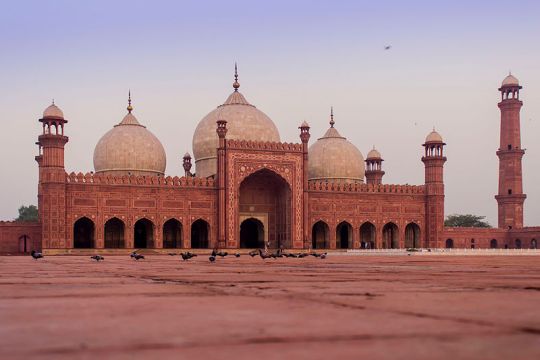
(244,122)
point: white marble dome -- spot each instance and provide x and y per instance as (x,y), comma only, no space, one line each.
(334,158)
(129,149)
(244,122)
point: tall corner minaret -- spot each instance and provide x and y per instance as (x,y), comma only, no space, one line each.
(374,172)
(434,160)
(510,197)
(52,178)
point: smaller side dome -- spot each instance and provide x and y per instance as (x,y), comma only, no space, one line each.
(510,80)
(434,137)
(53,111)
(373,154)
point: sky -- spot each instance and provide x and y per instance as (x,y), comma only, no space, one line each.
(295,60)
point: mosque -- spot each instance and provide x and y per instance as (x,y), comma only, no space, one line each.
(248,189)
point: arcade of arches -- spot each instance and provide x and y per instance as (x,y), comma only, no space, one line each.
(265,192)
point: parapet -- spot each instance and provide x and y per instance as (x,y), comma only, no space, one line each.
(342,186)
(263,145)
(92,178)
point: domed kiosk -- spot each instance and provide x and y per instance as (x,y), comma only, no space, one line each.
(129,149)
(334,158)
(244,122)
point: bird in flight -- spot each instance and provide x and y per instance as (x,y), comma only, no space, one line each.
(387,47)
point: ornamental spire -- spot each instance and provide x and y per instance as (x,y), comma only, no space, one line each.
(236,84)
(129,107)
(332,122)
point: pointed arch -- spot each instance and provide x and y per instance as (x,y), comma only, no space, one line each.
(143,234)
(114,230)
(412,236)
(344,235)
(172,234)
(390,236)
(367,235)
(200,230)
(320,235)
(83,233)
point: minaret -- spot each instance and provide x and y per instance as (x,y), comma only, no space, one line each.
(304,137)
(374,172)
(221,131)
(510,197)
(52,178)
(434,160)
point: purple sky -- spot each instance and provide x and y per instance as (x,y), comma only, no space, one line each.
(296,59)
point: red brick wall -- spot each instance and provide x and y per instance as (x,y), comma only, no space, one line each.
(12,237)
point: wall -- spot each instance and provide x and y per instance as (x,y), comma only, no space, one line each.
(11,237)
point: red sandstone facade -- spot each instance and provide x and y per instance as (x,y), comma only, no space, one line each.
(261,194)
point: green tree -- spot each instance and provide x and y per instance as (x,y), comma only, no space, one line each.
(466,220)
(28,213)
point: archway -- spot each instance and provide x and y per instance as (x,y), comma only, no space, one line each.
(83,233)
(412,236)
(534,244)
(199,234)
(493,244)
(449,244)
(114,234)
(518,244)
(252,234)
(265,193)
(143,234)
(24,244)
(390,236)
(344,235)
(367,236)
(319,235)
(172,234)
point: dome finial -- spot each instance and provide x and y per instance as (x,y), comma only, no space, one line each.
(129,107)
(332,122)
(53,101)
(236,84)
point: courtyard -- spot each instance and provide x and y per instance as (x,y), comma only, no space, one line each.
(342,307)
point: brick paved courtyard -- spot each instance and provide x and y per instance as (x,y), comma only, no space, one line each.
(343,307)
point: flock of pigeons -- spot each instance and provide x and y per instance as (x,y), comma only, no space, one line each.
(263,254)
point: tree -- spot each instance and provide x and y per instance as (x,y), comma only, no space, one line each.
(28,213)
(466,220)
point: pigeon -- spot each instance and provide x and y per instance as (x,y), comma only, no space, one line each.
(222,253)
(132,255)
(264,255)
(97,258)
(212,258)
(214,252)
(323,256)
(302,255)
(319,255)
(187,255)
(237,255)
(172,254)
(138,256)
(253,253)
(36,255)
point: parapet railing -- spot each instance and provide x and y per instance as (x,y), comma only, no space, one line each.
(444,251)
(263,145)
(364,188)
(92,178)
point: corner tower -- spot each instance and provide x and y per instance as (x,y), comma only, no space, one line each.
(434,160)
(52,178)
(510,197)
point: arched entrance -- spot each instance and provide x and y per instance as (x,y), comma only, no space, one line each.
(199,234)
(367,236)
(344,235)
(172,234)
(114,234)
(534,245)
(493,244)
(143,234)
(390,236)
(252,234)
(83,233)
(267,194)
(24,244)
(518,244)
(319,235)
(412,236)
(449,244)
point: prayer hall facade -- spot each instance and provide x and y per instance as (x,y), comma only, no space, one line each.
(244,188)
